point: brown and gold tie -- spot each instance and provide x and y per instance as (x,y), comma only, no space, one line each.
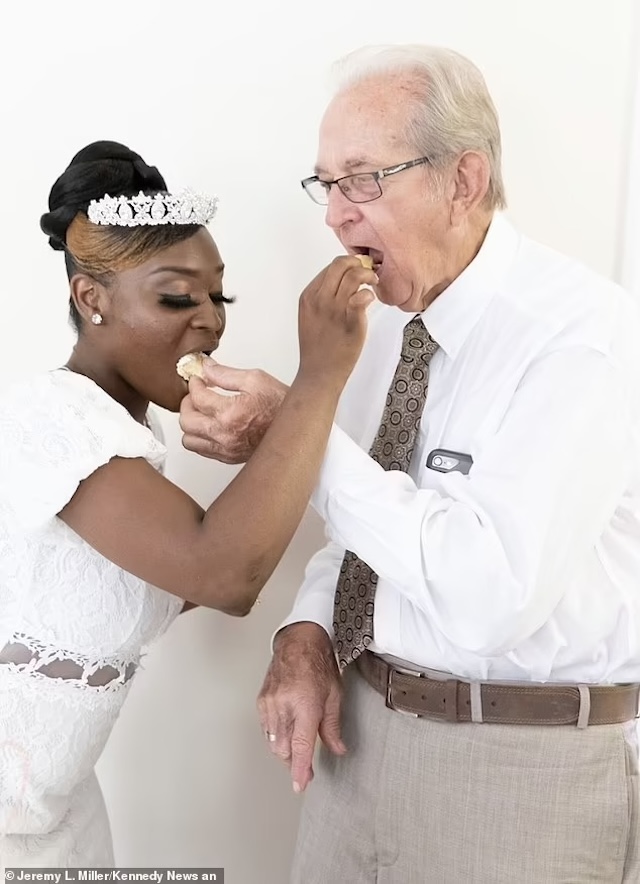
(392,449)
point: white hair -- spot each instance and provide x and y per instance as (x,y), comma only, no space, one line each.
(452,110)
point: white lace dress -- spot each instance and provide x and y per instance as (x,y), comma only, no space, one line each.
(72,624)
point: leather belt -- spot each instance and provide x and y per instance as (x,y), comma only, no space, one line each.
(543,704)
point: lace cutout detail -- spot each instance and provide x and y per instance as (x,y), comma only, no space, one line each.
(32,657)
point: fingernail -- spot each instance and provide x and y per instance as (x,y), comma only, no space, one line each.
(296,788)
(377,277)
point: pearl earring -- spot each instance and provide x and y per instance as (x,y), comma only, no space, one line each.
(96,319)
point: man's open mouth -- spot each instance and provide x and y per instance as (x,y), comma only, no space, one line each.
(375,254)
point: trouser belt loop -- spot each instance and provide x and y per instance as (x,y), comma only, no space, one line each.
(475,697)
(585,706)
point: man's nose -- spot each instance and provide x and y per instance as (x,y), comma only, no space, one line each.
(340,210)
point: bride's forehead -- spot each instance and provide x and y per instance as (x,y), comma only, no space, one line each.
(196,256)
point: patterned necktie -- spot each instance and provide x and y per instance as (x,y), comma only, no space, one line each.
(392,449)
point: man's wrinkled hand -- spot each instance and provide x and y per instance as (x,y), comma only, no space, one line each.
(229,426)
(300,699)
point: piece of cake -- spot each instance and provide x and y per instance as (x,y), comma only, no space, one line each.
(189,365)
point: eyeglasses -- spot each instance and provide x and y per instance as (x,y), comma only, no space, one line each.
(363,187)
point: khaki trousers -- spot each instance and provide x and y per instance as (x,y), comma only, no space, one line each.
(426,802)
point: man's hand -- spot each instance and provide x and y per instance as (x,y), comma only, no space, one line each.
(300,699)
(229,427)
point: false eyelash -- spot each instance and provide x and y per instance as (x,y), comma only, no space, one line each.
(182,302)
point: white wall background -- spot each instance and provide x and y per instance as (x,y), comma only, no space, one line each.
(629,247)
(226,97)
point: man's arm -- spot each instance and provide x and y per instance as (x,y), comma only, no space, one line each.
(314,601)
(483,558)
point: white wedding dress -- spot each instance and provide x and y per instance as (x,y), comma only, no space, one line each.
(72,624)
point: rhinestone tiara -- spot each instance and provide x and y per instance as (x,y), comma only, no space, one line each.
(185,207)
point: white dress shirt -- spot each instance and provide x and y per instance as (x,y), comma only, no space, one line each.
(527,568)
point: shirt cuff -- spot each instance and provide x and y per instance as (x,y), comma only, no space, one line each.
(310,609)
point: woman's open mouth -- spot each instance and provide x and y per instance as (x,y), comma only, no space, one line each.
(190,363)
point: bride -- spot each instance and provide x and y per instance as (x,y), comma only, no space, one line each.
(98,551)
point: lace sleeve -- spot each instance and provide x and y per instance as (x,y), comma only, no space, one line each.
(55,430)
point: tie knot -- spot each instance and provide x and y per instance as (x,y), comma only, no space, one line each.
(417,342)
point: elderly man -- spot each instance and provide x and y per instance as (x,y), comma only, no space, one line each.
(467,645)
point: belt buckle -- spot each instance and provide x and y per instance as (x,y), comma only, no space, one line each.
(388,701)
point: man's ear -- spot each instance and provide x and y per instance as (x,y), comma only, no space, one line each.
(87,295)
(472,177)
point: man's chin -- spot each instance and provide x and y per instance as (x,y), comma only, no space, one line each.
(403,300)
(386,295)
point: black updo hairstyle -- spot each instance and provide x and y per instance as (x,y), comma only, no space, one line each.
(104,167)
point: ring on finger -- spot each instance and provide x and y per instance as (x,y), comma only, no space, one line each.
(271,737)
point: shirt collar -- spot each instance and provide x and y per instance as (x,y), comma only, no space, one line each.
(451,317)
